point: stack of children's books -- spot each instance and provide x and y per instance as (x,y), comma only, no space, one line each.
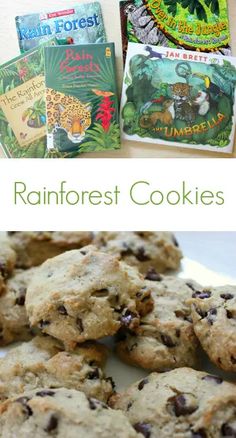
(59,97)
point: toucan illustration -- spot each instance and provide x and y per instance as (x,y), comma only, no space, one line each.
(210,86)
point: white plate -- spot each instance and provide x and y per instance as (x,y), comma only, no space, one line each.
(123,374)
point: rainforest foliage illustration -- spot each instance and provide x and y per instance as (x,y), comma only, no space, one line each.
(194,24)
(196,7)
(88,119)
(12,76)
(99,132)
(179,101)
(94,111)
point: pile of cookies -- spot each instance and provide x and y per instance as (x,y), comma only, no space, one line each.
(62,292)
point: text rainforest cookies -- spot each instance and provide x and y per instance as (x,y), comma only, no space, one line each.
(140,193)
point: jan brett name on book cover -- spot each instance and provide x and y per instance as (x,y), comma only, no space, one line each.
(81,98)
(22,105)
(190,24)
(179,98)
(80,24)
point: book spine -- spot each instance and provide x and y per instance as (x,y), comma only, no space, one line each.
(112,46)
(17,22)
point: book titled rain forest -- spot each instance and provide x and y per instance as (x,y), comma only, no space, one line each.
(81,99)
(80,24)
(179,98)
(201,25)
(22,105)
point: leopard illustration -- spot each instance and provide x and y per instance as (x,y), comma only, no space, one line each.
(184,107)
(68,113)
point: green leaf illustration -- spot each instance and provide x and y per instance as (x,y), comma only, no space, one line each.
(214,6)
(194,7)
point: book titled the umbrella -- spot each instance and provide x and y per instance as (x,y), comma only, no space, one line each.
(179,98)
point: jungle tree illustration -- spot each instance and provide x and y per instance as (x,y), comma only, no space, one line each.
(225,77)
(7,73)
(194,7)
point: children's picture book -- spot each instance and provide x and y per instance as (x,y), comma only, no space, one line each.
(201,25)
(179,98)
(81,98)
(22,105)
(80,24)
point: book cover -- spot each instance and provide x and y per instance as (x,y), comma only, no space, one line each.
(179,98)
(80,24)
(81,98)
(201,25)
(22,105)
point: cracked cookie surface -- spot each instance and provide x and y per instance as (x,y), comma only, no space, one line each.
(181,403)
(7,260)
(144,250)
(85,294)
(34,247)
(165,338)
(214,318)
(14,323)
(43,363)
(61,413)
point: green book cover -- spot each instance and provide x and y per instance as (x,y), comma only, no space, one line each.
(81,99)
(78,24)
(22,105)
(179,98)
(201,25)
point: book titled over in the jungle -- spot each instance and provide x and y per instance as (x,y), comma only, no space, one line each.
(81,98)
(200,25)
(179,98)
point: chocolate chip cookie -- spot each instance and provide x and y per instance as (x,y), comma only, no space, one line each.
(43,363)
(7,260)
(180,403)
(165,338)
(64,413)
(85,294)
(33,248)
(145,250)
(214,317)
(14,323)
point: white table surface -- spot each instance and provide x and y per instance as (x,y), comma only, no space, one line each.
(215,250)
(9,49)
